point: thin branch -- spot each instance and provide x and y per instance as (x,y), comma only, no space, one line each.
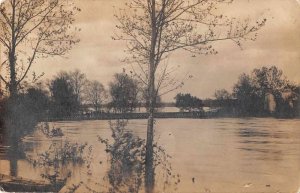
(1,77)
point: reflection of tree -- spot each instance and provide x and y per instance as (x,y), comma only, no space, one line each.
(127,158)
(56,159)
(11,151)
(262,143)
(14,154)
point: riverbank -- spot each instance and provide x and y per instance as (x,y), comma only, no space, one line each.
(158,115)
(114,116)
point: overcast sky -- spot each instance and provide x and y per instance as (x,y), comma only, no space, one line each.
(278,44)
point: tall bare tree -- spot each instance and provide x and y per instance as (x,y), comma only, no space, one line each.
(31,29)
(153,29)
(95,94)
(78,81)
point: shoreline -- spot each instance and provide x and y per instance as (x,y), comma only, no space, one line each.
(158,115)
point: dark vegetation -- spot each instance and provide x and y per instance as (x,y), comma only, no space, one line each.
(124,92)
(263,92)
(56,162)
(30,30)
(126,158)
(186,102)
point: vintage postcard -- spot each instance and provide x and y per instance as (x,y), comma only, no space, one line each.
(150,96)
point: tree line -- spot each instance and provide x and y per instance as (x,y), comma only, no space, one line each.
(72,93)
(264,92)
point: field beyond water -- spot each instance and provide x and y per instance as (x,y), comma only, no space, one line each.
(210,155)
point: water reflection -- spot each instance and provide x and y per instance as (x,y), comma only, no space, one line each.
(11,151)
(232,155)
(252,132)
(264,142)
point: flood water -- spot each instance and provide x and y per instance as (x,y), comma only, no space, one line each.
(210,155)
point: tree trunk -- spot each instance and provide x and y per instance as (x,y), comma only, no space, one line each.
(149,168)
(13,87)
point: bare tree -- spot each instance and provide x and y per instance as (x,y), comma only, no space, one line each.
(153,29)
(95,94)
(32,29)
(78,81)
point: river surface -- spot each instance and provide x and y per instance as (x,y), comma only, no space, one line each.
(250,155)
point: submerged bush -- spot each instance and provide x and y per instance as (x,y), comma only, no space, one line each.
(54,132)
(126,157)
(56,159)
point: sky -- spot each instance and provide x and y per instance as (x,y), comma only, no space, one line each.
(99,57)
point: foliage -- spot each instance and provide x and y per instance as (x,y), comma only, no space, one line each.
(225,100)
(249,102)
(252,92)
(222,94)
(188,102)
(54,132)
(74,187)
(61,154)
(22,113)
(37,101)
(124,93)
(64,100)
(57,157)
(126,160)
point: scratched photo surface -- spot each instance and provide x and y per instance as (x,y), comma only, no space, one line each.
(154,96)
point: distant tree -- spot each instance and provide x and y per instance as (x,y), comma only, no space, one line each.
(187,102)
(249,101)
(224,98)
(146,99)
(31,30)
(64,101)
(78,81)
(270,80)
(37,101)
(124,93)
(95,94)
(222,94)
(252,91)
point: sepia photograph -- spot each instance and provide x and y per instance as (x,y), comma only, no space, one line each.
(150,96)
